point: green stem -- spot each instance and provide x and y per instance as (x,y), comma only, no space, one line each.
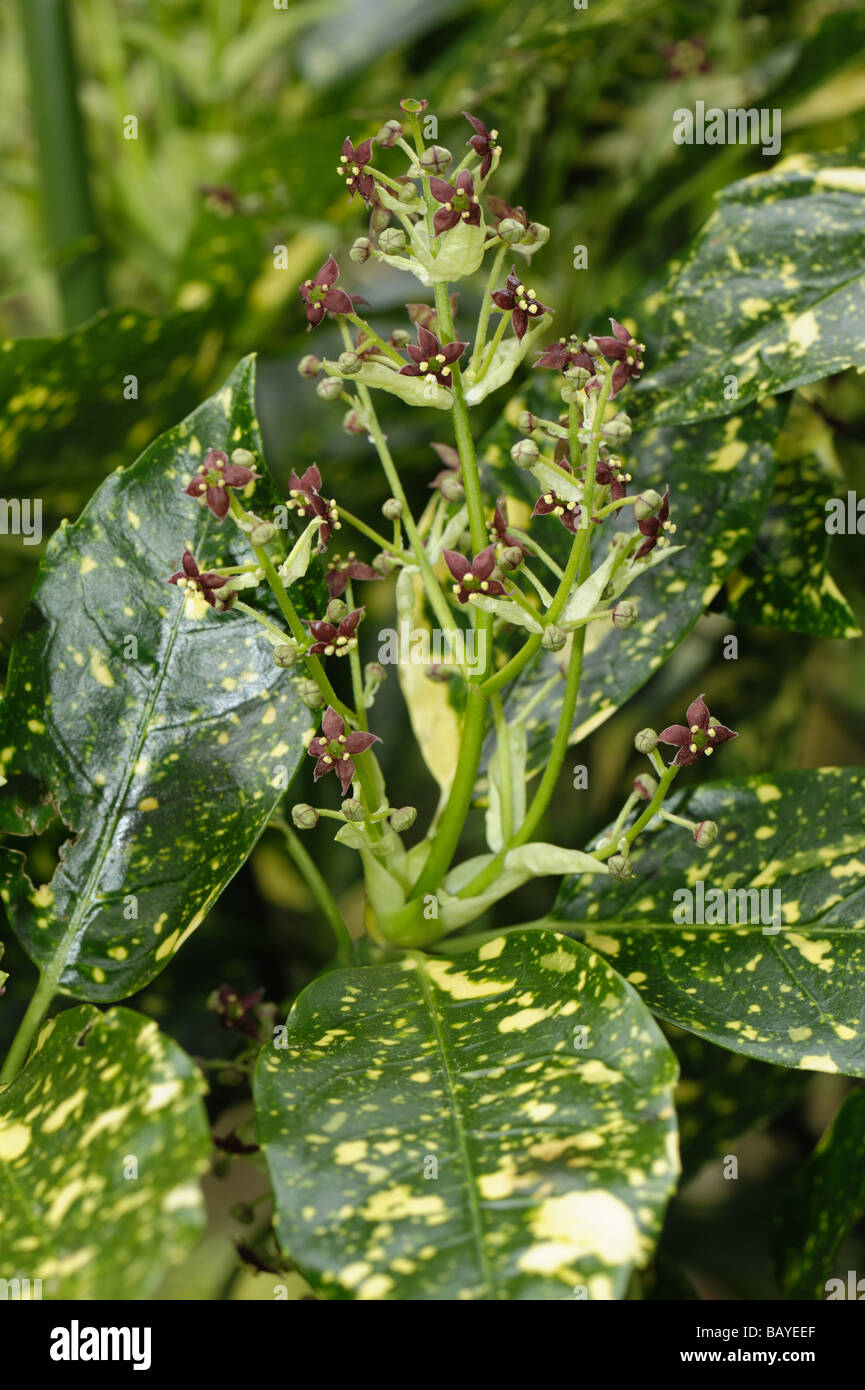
(525,603)
(643,820)
(504,760)
(453,817)
(487,304)
(532,545)
(319,889)
(67,203)
(386,348)
(260,618)
(372,535)
(497,338)
(28,1028)
(356,677)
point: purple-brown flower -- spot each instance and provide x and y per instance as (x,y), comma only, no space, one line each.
(655,528)
(351,164)
(473,577)
(608,472)
(483,143)
(332,639)
(205,583)
(340,571)
(626,352)
(320,293)
(334,750)
(449,456)
(429,358)
(548,504)
(304,498)
(213,479)
(460,203)
(701,735)
(523,304)
(499,527)
(567,352)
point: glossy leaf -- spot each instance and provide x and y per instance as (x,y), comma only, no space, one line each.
(162,742)
(772,294)
(102,1137)
(553,1161)
(791,996)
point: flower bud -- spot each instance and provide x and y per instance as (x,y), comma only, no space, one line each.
(374,674)
(525,453)
(705,833)
(389,134)
(243,458)
(392,240)
(624,615)
(384,563)
(399,337)
(336,610)
(452,489)
(408,195)
(537,235)
(329,388)
(360,250)
(646,505)
(403,819)
(619,429)
(310,694)
(352,423)
(349,363)
(570,391)
(578,374)
(379,219)
(284,655)
(646,741)
(511,231)
(554,638)
(620,867)
(510,558)
(263,532)
(392,509)
(303,816)
(310,365)
(592,348)
(243,1212)
(435,160)
(646,785)
(352,809)
(526,422)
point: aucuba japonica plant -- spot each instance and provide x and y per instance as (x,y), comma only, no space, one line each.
(451,1110)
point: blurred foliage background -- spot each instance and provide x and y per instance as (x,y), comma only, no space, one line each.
(240,107)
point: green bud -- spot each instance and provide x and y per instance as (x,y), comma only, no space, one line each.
(349,363)
(570,391)
(592,348)
(243,458)
(620,867)
(525,453)
(705,833)
(452,489)
(379,218)
(310,365)
(336,610)
(352,423)
(384,563)
(526,422)
(392,509)
(510,558)
(408,195)
(646,785)
(263,532)
(392,240)
(360,250)
(243,1212)
(403,819)
(624,615)
(646,504)
(619,429)
(511,231)
(329,388)
(389,134)
(285,656)
(537,235)
(435,160)
(303,816)
(554,638)
(310,694)
(400,336)
(352,809)
(646,741)
(413,106)
(374,671)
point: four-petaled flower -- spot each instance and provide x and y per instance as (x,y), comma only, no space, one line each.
(474,577)
(201,585)
(213,479)
(503,212)
(701,735)
(627,354)
(304,498)
(499,527)
(236,1011)
(429,358)
(342,570)
(567,352)
(334,750)
(351,163)
(656,527)
(608,472)
(548,504)
(319,294)
(332,639)
(523,303)
(482,142)
(461,203)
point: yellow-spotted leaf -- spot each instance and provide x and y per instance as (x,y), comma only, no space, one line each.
(497,1126)
(102,1138)
(757,942)
(162,740)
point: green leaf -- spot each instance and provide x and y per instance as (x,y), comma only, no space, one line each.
(772,292)
(102,1137)
(825,1201)
(784,581)
(553,1162)
(720,474)
(162,742)
(792,996)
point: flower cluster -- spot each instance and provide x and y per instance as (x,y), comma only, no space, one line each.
(334,750)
